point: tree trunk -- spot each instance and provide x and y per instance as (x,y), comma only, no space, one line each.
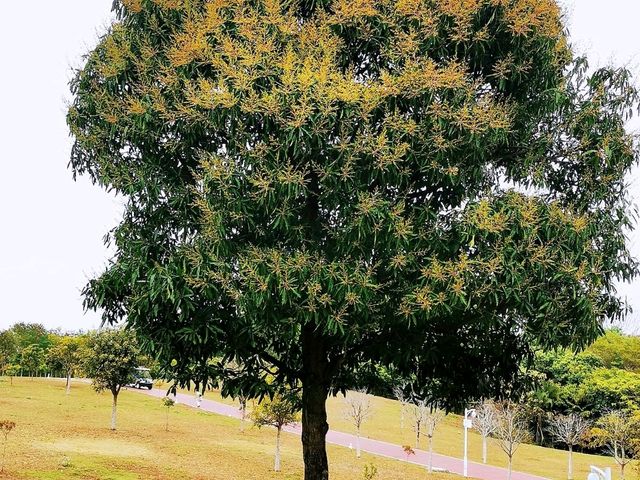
(418,435)
(166,423)
(484,449)
(570,471)
(243,414)
(114,406)
(430,454)
(509,474)
(315,389)
(68,382)
(358,442)
(276,467)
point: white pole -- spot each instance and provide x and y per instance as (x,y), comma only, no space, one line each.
(464,470)
(467,424)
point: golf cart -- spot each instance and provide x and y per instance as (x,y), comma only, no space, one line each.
(142,378)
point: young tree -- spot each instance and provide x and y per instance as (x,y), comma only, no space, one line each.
(357,410)
(511,428)
(319,185)
(485,423)
(242,400)
(432,419)
(570,430)
(398,392)
(6,427)
(111,359)
(619,432)
(419,410)
(67,356)
(168,403)
(277,412)
(12,370)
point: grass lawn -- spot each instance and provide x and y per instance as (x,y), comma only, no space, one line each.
(61,437)
(384,424)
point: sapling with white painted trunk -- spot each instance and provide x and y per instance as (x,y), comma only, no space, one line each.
(432,419)
(398,392)
(357,410)
(485,423)
(511,428)
(277,412)
(570,430)
(111,360)
(242,400)
(419,409)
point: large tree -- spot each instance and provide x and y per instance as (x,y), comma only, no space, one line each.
(318,186)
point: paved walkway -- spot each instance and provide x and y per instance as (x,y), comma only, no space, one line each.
(376,447)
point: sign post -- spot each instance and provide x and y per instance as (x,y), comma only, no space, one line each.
(467,423)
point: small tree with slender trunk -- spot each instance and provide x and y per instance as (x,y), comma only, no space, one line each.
(618,431)
(242,399)
(419,411)
(12,370)
(398,392)
(277,412)
(432,419)
(168,403)
(570,430)
(357,410)
(6,427)
(511,428)
(66,356)
(111,359)
(485,423)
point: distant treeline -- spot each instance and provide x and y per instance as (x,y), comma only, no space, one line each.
(30,350)
(602,378)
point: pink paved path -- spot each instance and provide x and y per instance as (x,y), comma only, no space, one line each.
(376,447)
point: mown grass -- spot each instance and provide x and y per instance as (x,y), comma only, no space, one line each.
(62,437)
(384,424)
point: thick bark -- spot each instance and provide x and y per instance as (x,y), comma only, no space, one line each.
(114,407)
(315,389)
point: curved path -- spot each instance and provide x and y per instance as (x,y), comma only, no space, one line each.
(376,447)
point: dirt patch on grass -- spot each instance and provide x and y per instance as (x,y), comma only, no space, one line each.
(97,446)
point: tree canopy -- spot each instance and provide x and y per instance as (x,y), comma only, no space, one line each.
(317,187)
(110,363)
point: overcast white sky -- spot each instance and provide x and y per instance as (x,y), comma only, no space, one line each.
(52,227)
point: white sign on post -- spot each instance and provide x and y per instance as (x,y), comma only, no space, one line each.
(467,423)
